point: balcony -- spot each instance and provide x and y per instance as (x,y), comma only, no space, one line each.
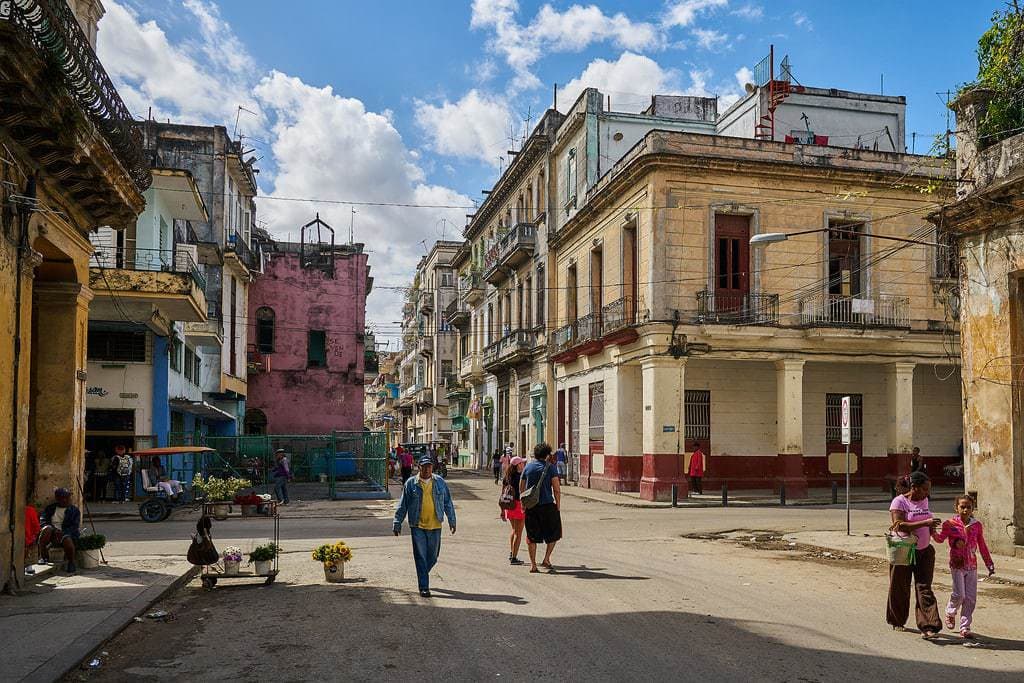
(455,390)
(209,332)
(884,311)
(513,349)
(718,308)
(57,101)
(425,345)
(457,313)
(427,303)
(424,396)
(616,324)
(471,288)
(156,286)
(237,248)
(471,368)
(619,320)
(511,250)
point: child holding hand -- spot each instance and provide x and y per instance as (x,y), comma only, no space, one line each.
(965,537)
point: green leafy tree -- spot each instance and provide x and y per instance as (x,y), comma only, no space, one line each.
(1001,69)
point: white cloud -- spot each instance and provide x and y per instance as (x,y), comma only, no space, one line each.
(744,76)
(476,126)
(630,80)
(322,145)
(750,12)
(150,72)
(801,20)
(684,12)
(709,39)
(552,30)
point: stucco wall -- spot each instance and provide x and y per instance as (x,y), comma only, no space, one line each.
(297,399)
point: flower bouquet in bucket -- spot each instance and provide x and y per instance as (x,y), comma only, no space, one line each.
(232,559)
(333,556)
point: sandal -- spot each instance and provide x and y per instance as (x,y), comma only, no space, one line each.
(534,570)
(929,635)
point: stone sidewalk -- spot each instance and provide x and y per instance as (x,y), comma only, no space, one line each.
(748,498)
(57,620)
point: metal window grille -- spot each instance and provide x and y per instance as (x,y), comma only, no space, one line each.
(117,346)
(597,411)
(574,419)
(834,417)
(697,412)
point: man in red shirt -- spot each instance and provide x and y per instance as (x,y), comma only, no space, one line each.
(696,470)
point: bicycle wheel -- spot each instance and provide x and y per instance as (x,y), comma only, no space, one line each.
(154,510)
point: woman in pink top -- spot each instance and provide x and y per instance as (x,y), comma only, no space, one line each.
(965,537)
(912,518)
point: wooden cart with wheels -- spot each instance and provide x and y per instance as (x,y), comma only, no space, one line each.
(210,576)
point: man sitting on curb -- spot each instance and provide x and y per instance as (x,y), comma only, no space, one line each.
(426,499)
(61,521)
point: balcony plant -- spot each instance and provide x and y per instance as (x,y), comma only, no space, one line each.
(333,556)
(262,557)
(88,547)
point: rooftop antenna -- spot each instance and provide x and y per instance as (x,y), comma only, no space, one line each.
(351,226)
(238,113)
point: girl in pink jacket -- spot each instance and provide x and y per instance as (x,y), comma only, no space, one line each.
(965,537)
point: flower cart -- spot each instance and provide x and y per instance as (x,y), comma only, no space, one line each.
(263,559)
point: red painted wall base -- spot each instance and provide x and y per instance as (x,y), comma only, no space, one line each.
(660,472)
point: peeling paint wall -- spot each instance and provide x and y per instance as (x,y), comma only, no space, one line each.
(295,398)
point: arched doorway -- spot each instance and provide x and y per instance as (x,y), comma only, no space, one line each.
(255,422)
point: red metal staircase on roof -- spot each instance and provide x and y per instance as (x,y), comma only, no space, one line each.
(778,91)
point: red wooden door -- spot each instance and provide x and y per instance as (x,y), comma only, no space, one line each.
(732,262)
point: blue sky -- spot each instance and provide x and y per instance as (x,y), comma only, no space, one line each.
(410,102)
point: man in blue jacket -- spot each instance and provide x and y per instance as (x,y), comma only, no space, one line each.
(60,527)
(427,500)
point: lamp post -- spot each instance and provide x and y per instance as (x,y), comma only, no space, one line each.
(766,238)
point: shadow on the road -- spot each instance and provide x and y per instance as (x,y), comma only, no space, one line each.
(608,643)
(980,642)
(478,597)
(585,572)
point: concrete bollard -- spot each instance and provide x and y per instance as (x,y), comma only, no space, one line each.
(782,494)
(725,494)
(835,493)
(675,496)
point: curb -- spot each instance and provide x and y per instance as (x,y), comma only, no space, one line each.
(71,655)
(686,503)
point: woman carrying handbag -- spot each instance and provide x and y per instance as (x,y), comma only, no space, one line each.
(512,507)
(911,518)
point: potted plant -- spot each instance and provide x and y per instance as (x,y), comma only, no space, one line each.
(232,559)
(88,547)
(220,492)
(333,556)
(262,557)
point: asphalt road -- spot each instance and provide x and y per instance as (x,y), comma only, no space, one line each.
(633,599)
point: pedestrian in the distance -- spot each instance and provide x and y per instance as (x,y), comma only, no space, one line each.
(122,467)
(496,465)
(405,461)
(966,537)
(427,501)
(911,517)
(515,515)
(506,458)
(282,474)
(543,520)
(696,471)
(561,460)
(916,460)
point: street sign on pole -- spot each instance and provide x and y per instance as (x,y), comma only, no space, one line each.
(845,424)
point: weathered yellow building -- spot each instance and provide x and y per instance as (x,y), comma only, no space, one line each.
(70,162)
(670,329)
(986,223)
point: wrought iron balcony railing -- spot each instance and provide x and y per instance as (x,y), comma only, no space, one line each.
(129,257)
(243,251)
(52,28)
(621,314)
(737,309)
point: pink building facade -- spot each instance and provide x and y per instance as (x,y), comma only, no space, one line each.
(307,327)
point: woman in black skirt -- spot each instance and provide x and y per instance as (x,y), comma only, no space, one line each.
(543,520)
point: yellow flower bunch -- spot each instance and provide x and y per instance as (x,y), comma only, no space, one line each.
(332,553)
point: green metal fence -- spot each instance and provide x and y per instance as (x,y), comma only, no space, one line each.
(323,458)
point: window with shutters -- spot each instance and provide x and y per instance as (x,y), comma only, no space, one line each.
(597,411)
(118,346)
(316,356)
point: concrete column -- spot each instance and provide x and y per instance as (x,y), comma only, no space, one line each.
(623,430)
(663,384)
(57,414)
(900,391)
(789,468)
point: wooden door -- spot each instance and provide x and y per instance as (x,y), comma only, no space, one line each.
(732,262)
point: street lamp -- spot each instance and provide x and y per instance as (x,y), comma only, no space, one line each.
(766,238)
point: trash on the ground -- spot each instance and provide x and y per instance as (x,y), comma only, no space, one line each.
(159,614)
(139,619)
(792,545)
(104,654)
(826,554)
(93,664)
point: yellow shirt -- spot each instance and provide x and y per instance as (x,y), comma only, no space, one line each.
(428,515)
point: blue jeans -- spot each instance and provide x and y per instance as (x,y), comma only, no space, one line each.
(281,489)
(426,546)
